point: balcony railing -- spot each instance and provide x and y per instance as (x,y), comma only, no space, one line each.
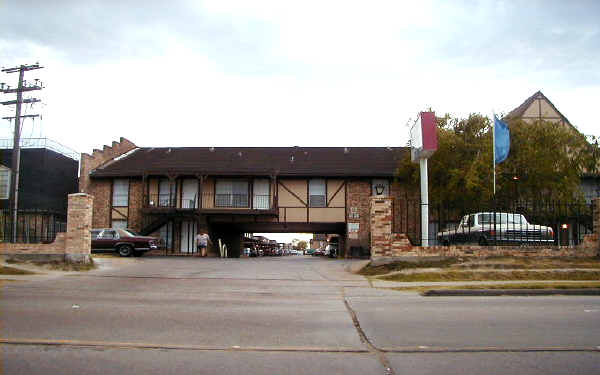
(210,201)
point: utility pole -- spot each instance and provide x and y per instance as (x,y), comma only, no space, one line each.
(22,87)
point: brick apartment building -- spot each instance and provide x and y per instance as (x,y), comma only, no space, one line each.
(174,192)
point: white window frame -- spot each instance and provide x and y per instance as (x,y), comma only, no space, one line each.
(225,187)
(8,173)
(317,192)
(120,199)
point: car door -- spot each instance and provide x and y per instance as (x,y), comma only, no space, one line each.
(106,240)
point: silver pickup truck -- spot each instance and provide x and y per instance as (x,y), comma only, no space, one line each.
(485,228)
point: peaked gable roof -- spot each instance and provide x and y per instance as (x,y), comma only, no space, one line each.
(262,161)
(520,111)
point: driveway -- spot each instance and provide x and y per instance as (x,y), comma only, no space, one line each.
(279,315)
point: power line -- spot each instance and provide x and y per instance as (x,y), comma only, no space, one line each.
(23,86)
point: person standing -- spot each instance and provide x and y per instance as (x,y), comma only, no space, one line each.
(202,241)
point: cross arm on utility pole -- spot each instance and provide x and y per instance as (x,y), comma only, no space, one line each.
(22,116)
(23,101)
(17,69)
(24,89)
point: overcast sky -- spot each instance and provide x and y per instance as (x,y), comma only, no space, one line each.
(280,73)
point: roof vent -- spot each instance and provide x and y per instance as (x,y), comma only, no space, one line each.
(346,150)
(211,149)
(169,150)
(292,159)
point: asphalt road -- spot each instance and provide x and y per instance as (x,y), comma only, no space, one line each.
(284,315)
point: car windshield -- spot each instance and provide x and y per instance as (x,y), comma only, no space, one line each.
(502,218)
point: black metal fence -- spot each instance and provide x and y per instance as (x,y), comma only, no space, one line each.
(33,226)
(498,223)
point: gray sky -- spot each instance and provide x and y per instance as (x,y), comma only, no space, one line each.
(280,73)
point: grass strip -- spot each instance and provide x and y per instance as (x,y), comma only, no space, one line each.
(495,262)
(493,276)
(67,266)
(4,270)
(399,266)
(558,285)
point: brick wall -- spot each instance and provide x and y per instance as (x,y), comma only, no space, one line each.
(136,197)
(56,247)
(99,158)
(74,245)
(381,226)
(101,190)
(358,211)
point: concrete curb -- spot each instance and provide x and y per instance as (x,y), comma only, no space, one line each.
(511,292)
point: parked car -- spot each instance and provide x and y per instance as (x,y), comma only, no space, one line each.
(317,252)
(123,241)
(310,251)
(254,252)
(485,228)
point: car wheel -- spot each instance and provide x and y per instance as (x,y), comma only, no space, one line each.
(482,241)
(125,250)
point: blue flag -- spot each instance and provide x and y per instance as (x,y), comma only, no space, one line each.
(501,140)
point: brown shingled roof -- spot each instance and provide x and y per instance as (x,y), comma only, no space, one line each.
(282,161)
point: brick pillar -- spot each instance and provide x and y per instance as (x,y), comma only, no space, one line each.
(79,224)
(381,226)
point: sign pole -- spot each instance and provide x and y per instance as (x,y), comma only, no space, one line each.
(424,203)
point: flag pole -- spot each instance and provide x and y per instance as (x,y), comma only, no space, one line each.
(494,147)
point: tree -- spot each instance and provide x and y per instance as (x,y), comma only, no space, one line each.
(545,162)
(302,245)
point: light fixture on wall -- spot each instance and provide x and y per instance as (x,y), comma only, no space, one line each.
(379,188)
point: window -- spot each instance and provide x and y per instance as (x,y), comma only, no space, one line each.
(231,193)
(380,187)
(317,193)
(109,234)
(120,193)
(261,190)
(4,182)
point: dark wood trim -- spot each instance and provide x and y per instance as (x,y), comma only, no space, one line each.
(294,194)
(336,192)
(308,199)
(251,193)
(346,198)
(179,182)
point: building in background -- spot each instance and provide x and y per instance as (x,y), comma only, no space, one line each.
(539,108)
(48,173)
